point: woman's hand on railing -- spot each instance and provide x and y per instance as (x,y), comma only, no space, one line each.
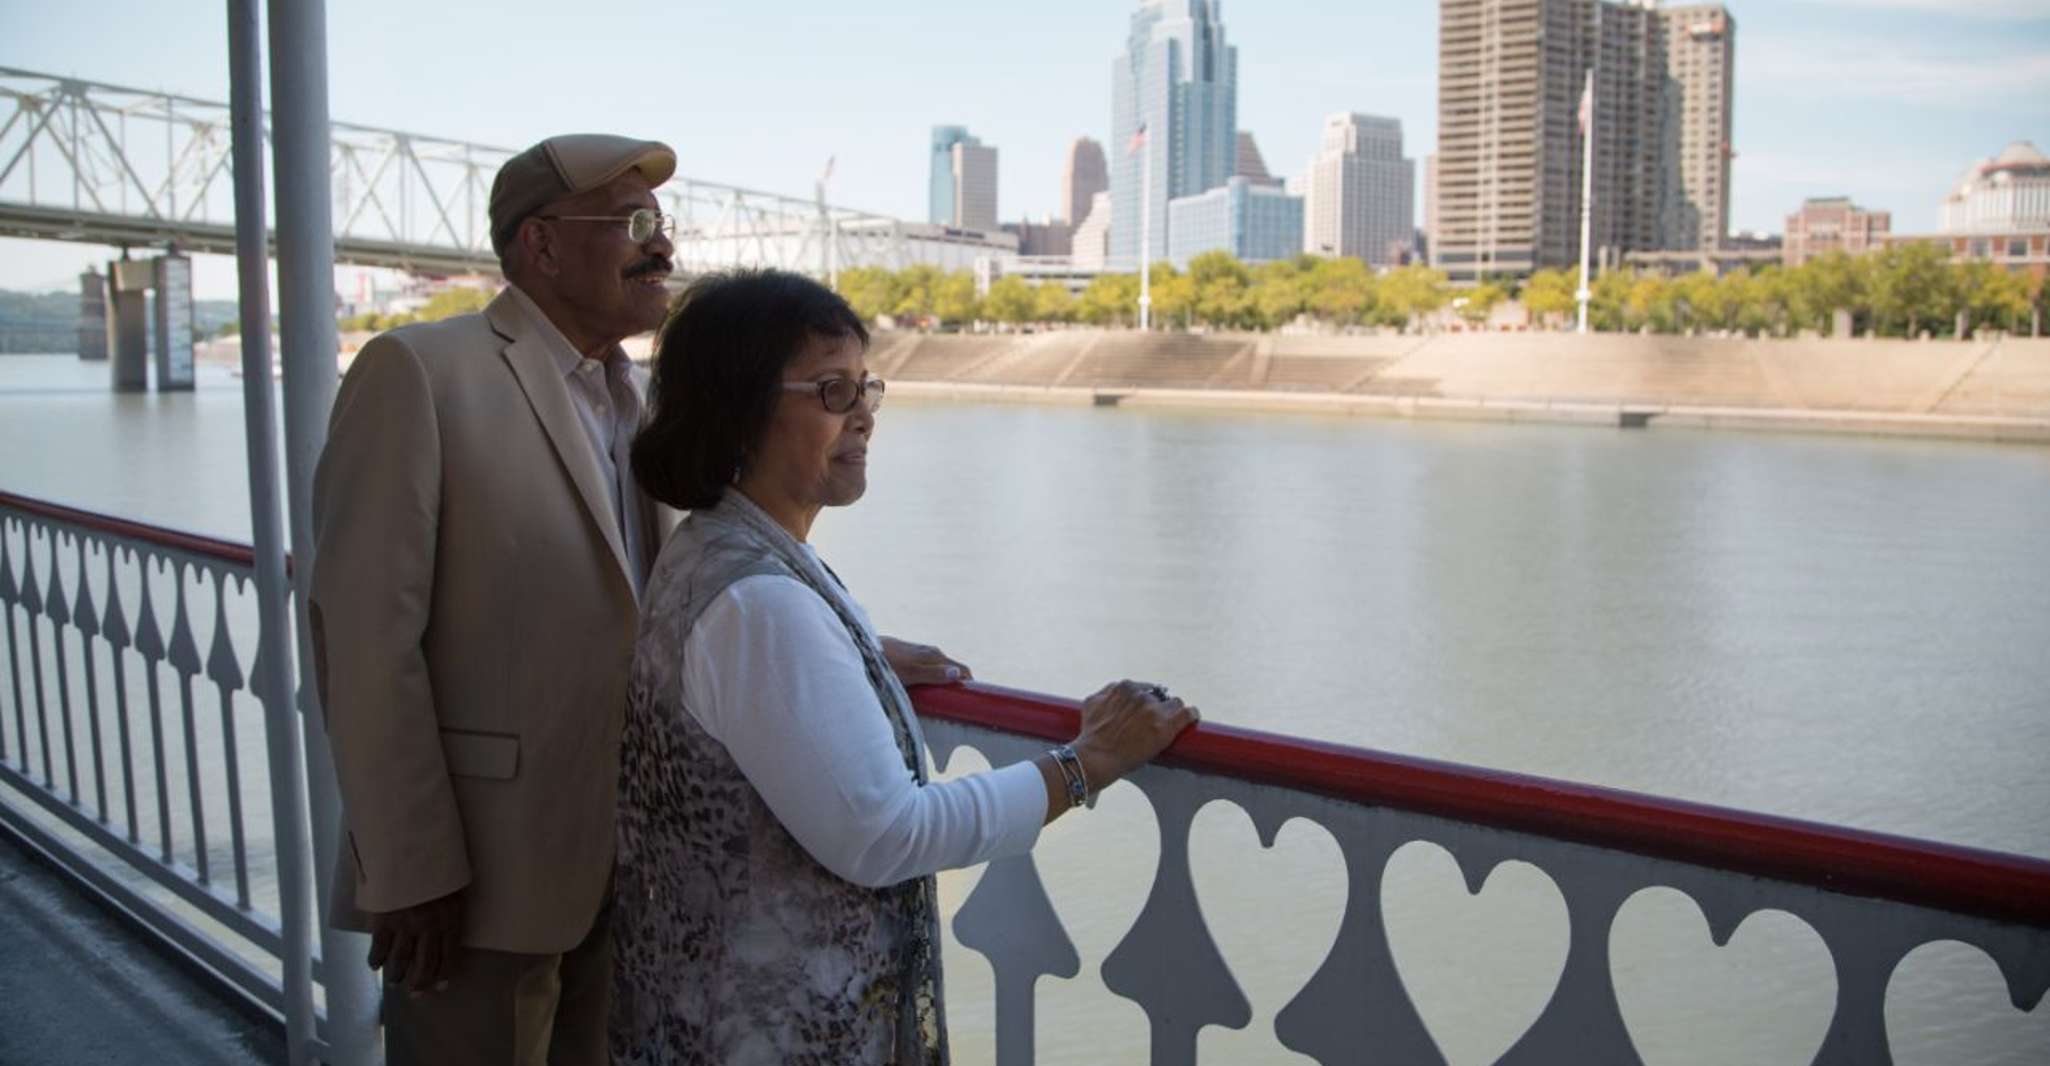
(923,664)
(1124,725)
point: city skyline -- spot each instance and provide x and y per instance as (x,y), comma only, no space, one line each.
(1882,100)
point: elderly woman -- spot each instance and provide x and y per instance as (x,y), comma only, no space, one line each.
(777,831)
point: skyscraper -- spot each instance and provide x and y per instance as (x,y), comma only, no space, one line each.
(1362,192)
(963,180)
(940,173)
(975,185)
(1177,81)
(1082,178)
(1701,55)
(1510,76)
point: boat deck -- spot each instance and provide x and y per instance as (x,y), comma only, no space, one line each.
(81,989)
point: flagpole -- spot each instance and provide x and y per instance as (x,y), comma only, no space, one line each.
(828,264)
(1586,199)
(1145,233)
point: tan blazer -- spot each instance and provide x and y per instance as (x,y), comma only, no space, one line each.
(473,623)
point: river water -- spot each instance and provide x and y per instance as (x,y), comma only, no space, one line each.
(1849,630)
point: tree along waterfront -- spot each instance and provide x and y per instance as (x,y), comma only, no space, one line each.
(1902,291)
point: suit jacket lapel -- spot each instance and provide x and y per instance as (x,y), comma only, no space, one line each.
(540,377)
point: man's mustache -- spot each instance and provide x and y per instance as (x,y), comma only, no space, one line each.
(656,264)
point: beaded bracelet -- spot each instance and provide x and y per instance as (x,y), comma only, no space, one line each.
(1070,766)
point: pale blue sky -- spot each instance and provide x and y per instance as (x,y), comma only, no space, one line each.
(1886,100)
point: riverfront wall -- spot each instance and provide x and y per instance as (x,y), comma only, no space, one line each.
(1993,389)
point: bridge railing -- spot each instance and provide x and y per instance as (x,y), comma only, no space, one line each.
(129,737)
(83,160)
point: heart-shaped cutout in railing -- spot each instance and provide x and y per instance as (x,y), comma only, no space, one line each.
(1097,867)
(1274,913)
(1480,966)
(1949,1003)
(1764,996)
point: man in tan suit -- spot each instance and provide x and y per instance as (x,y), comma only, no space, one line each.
(480,548)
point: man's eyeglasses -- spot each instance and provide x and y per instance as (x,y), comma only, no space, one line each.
(641,226)
(839,395)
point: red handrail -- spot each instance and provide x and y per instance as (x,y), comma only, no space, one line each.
(226,551)
(1990,884)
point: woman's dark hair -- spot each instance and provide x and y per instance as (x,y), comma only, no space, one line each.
(718,372)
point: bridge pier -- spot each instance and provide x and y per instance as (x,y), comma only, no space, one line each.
(128,285)
(126,322)
(173,281)
(92,317)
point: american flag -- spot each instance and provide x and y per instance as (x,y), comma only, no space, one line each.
(1138,140)
(1587,105)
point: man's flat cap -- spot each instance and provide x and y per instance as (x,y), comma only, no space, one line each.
(565,166)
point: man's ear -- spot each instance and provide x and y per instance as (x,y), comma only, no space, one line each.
(537,247)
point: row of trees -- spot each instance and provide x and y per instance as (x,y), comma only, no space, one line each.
(1216,290)
(444,304)
(1902,291)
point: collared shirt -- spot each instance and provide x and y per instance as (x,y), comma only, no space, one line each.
(607,400)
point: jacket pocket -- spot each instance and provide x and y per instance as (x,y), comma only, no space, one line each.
(489,755)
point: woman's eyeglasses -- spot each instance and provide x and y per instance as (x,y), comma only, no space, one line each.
(839,395)
(641,226)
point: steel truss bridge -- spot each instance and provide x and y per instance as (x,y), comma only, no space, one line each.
(104,164)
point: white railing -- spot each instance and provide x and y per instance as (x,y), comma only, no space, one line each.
(1870,898)
(137,750)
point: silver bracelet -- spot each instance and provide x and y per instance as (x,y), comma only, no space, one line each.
(1070,765)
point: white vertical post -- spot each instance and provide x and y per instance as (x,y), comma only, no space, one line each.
(273,680)
(300,141)
(1586,201)
(1145,235)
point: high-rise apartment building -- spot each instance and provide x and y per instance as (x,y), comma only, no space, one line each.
(1701,57)
(1362,192)
(963,180)
(1085,175)
(1510,153)
(1174,113)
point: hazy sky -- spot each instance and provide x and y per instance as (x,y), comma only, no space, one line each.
(1886,100)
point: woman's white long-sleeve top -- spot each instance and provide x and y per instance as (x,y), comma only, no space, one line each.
(770,672)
